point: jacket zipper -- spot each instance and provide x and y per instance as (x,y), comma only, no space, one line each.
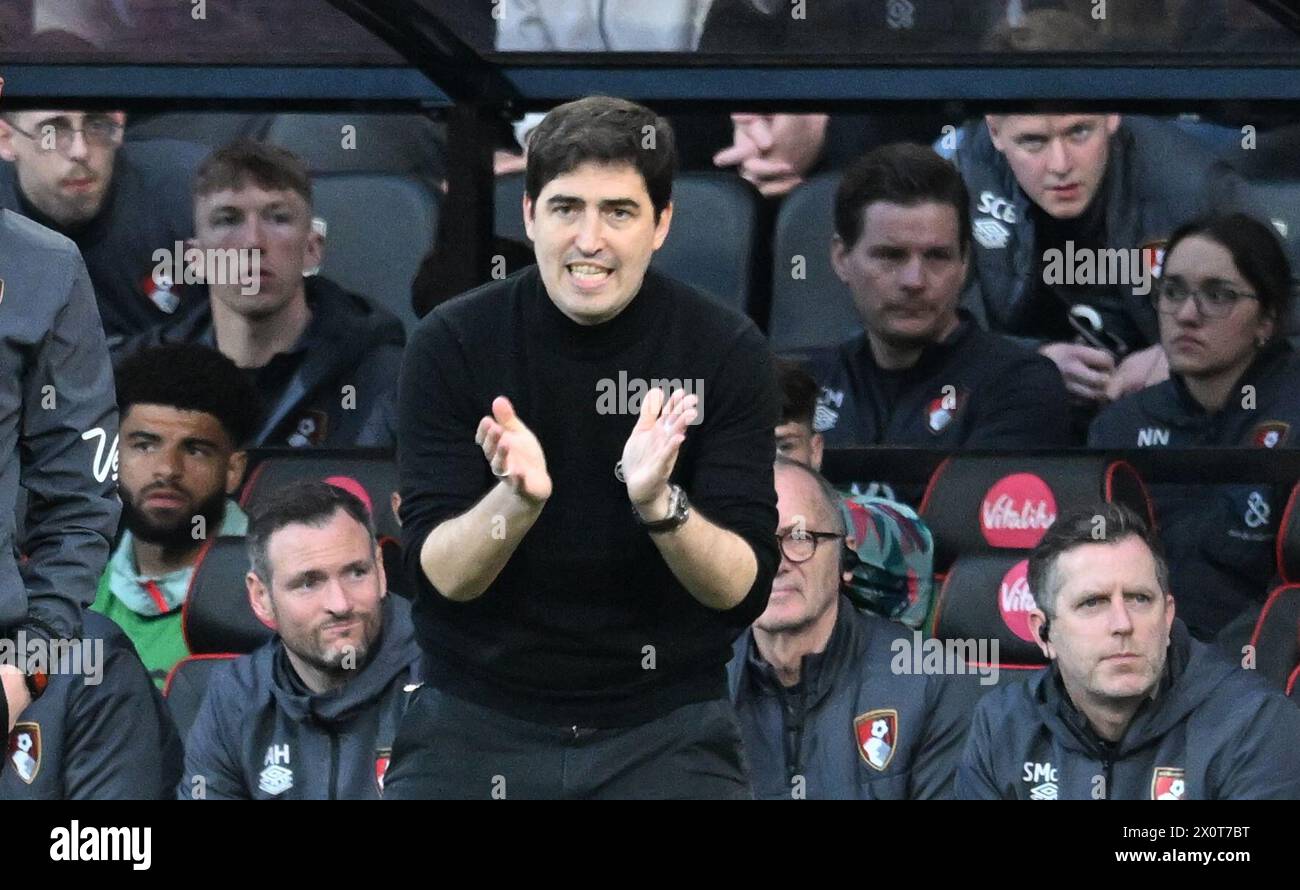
(334,765)
(792,716)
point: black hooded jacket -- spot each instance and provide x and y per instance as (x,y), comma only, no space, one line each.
(1213,732)
(262,735)
(335,388)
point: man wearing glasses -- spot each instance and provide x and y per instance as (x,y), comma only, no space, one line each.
(69,171)
(1223,301)
(822,712)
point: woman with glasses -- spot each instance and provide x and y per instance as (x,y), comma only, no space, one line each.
(1223,301)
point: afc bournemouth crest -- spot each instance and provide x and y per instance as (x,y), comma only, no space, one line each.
(1270,434)
(877,733)
(1153,256)
(1167,784)
(382,756)
(941,412)
(25,750)
(312,428)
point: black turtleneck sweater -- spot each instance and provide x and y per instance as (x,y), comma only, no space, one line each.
(586,625)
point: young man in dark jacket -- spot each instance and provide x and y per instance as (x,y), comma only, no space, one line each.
(1132,708)
(823,712)
(119,203)
(584,546)
(324,361)
(1055,186)
(311,714)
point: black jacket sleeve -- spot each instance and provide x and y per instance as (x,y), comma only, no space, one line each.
(213,768)
(440,466)
(121,742)
(733,483)
(975,775)
(1028,407)
(949,720)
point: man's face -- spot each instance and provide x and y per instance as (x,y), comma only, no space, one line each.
(797,441)
(594,232)
(1058,159)
(175,465)
(906,272)
(66,183)
(1111,630)
(326,593)
(802,592)
(277,223)
(1200,345)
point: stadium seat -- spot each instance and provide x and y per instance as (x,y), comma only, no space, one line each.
(986,597)
(711,244)
(380,226)
(984,504)
(212,129)
(377,475)
(1279,200)
(1276,636)
(181,155)
(186,684)
(403,144)
(217,617)
(810,305)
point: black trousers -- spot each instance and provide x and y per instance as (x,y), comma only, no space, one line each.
(448,748)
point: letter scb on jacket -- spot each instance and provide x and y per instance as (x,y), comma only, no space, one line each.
(989,230)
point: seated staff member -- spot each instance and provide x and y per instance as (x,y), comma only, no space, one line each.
(1223,299)
(311,714)
(922,373)
(822,712)
(1132,708)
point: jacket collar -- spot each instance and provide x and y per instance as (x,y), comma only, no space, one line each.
(933,355)
(395,653)
(817,671)
(1268,362)
(1191,673)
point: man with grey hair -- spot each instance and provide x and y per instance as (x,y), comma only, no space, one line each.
(1132,707)
(823,712)
(311,714)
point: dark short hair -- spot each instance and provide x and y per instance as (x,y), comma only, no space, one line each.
(189,377)
(1256,252)
(798,392)
(1102,523)
(308,502)
(603,130)
(245,161)
(901,173)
